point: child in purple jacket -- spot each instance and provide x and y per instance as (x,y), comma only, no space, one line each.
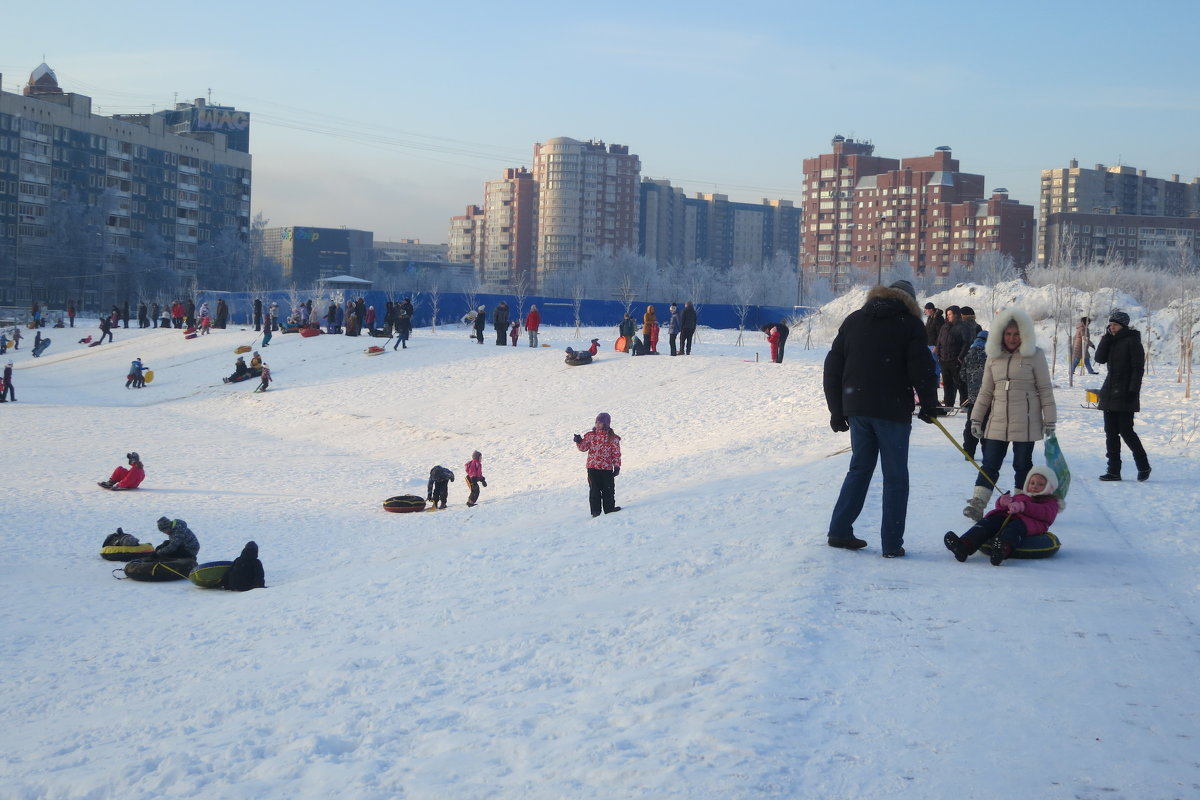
(1029,512)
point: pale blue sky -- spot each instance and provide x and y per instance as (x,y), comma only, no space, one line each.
(390,116)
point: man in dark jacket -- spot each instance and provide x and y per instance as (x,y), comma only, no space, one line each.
(439,486)
(934,320)
(878,358)
(687,328)
(479,322)
(951,348)
(500,322)
(1120,396)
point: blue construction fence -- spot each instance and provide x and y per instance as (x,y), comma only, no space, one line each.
(555,311)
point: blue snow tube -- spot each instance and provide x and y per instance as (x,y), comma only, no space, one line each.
(1043,545)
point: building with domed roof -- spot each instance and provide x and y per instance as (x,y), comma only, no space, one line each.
(102,210)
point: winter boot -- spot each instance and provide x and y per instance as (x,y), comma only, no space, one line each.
(1000,551)
(1144,474)
(105,484)
(1112,476)
(978,503)
(955,545)
(850,542)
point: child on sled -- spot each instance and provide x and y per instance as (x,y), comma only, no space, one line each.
(1029,512)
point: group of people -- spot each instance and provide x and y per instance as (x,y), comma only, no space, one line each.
(440,479)
(880,359)
(246,571)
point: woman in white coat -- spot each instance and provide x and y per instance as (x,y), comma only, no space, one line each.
(1015,403)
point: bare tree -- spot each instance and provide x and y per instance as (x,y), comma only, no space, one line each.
(435,302)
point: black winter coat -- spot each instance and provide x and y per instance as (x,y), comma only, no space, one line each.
(1126,361)
(246,572)
(500,317)
(878,358)
(687,318)
(953,342)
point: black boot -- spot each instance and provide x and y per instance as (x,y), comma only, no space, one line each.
(1144,474)
(1000,551)
(1111,476)
(850,542)
(955,545)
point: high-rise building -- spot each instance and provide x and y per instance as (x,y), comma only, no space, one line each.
(868,213)
(466,236)
(661,222)
(588,200)
(105,210)
(510,223)
(1073,196)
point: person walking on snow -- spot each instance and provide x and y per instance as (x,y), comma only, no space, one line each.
(1120,397)
(266,377)
(1015,403)
(603,446)
(475,479)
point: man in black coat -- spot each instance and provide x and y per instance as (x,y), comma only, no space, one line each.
(246,572)
(878,358)
(687,328)
(1120,396)
(500,322)
(952,347)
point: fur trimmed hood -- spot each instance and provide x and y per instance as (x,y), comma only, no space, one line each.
(1051,484)
(995,341)
(888,293)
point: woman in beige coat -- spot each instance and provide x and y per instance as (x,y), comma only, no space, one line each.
(1015,403)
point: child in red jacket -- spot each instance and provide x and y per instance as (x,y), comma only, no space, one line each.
(122,479)
(1029,512)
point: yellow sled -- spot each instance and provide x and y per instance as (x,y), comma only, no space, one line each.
(243,349)
(148,376)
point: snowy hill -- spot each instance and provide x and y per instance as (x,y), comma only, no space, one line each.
(702,643)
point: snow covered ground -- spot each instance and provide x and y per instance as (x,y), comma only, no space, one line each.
(702,643)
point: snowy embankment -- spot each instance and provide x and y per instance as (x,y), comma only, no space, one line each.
(702,643)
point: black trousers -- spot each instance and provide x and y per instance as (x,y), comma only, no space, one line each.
(1118,426)
(951,384)
(674,340)
(1011,532)
(440,491)
(602,490)
(685,341)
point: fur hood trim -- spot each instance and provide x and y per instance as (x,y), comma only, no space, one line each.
(995,342)
(1051,484)
(887,293)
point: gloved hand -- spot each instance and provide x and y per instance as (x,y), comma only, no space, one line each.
(977,429)
(1049,427)
(839,424)
(1016,506)
(578,438)
(926,415)
(1003,500)
(483,480)
(616,471)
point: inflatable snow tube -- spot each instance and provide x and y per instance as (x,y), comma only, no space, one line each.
(374,350)
(209,574)
(171,569)
(577,362)
(404,503)
(310,332)
(1043,545)
(243,349)
(126,552)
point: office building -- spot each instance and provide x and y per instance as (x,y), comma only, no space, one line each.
(309,254)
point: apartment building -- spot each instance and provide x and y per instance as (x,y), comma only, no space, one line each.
(1073,196)
(864,212)
(104,209)
(510,223)
(588,202)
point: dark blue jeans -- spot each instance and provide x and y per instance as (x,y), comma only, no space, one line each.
(873,440)
(994,451)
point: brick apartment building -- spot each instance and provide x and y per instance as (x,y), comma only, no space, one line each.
(866,212)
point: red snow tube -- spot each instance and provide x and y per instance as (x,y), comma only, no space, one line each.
(309,332)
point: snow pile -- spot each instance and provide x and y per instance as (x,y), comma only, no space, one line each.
(702,643)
